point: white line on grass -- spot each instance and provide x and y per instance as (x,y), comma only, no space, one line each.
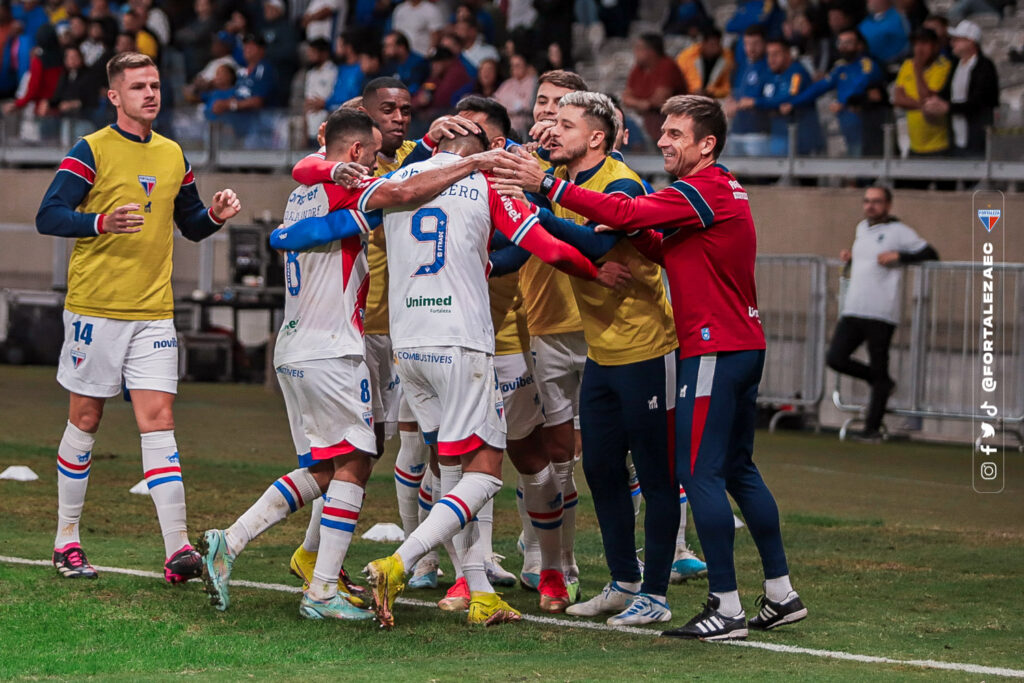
(565,623)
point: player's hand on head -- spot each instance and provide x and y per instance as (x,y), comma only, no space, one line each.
(321,139)
(522,170)
(226,204)
(123,220)
(349,173)
(614,275)
(450,126)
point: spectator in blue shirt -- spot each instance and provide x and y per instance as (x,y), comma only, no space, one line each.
(763,13)
(748,132)
(402,63)
(362,64)
(788,79)
(222,88)
(32,17)
(886,31)
(860,93)
(254,90)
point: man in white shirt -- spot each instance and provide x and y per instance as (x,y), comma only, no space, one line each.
(474,49)
(318,19)
(320,77)
(420,21)
(871,309)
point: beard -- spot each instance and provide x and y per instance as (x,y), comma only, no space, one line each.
(566,154)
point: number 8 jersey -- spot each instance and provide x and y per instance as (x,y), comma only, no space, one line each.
(325,287)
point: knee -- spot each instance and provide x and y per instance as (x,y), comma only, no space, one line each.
(834,360)
(87,418)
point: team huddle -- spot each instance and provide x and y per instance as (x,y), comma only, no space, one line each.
(477,297)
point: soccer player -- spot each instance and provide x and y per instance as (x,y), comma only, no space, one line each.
(708,246)
(319,361)
(120,191)
(443,341)
(559,349)
(387,102)
(627,397)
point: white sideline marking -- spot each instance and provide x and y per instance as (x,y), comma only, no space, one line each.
(593,626)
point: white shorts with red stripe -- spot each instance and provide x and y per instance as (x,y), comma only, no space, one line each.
(453,393)
(329,404)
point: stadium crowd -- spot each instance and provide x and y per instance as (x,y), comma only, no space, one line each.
(269,69)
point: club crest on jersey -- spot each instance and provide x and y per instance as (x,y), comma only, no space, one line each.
(989,218)
(368,418)
(148,182)
(77,358)
(705,333)
(499,406)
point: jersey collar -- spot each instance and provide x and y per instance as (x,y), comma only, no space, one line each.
(130,136)
(584,176)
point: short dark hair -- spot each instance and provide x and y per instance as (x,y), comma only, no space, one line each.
(925,34)
(495,111)
(400,39)
(345,122)
(856,33)
(711,32)
(707,116)
(655,42)
(479,136)
(755,31)
(120,63)
(937,17)
(563,79)
(778,40)
(320,45)
(885,190)
(382,83)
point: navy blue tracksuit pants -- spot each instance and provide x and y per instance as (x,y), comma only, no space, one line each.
(623,409)
(716,411)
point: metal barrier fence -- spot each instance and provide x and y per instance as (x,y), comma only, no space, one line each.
(936,351)
(792,307)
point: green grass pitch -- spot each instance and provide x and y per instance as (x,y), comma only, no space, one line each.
(892,552)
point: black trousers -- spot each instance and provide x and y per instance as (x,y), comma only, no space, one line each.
(850,333)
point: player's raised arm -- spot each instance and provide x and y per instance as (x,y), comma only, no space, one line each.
(515,220)
(193,218)
(667,208)
(424,186)
(318,230)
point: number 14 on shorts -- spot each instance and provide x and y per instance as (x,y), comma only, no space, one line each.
(83,333)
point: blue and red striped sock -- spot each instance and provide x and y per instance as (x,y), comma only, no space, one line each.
(337,524)
(285,496)
(161,466)
(74,461)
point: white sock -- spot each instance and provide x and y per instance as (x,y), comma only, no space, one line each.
(409,472)
(729,603)
(681,534)
(634,488)
(311,543)
(425,504)
(74,461)
(161,466)
(542,500)
(485,527)
(777,590)
(531,549)
(337,524)
(564,473)
(440,490)
(450,514)
(479,537)
(283,497)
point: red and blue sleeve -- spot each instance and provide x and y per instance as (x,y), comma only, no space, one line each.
(195,221)
(57,213)
(517,222)
(678,206)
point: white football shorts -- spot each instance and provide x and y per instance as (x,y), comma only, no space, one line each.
(523,408)
(99,353)
(383,378)
(330,407)
(453,393)
(558,361)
